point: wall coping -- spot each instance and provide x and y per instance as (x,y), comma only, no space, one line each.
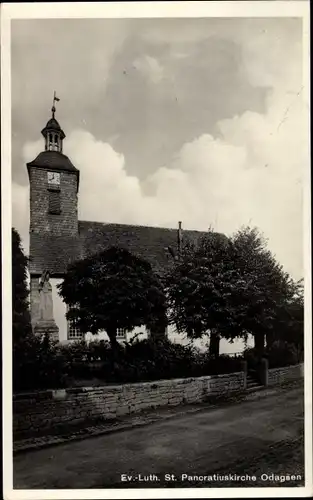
(61,393)
(277,368)
(56,393)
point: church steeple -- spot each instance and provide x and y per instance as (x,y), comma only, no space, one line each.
(52,132)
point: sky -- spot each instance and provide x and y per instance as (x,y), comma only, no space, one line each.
(195,120)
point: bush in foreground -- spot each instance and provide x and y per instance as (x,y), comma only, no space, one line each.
(38,363)
(279,354)
(42,364)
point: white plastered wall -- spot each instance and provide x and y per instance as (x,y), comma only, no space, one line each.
(225,347)
(59,309)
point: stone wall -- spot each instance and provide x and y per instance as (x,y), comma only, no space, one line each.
(41,221)
(50,412)
(285,374)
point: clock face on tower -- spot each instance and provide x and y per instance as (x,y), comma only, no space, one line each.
(54,178)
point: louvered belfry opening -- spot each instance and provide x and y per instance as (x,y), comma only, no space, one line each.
(54,201)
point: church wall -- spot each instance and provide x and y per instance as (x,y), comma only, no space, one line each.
(140,331)
(225,347)
(129,335)
(59,309)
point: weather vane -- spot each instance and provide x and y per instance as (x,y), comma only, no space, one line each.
(55,99)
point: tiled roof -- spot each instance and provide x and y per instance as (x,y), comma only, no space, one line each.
(151,243)
(147,242)
(53,253)
(54,160)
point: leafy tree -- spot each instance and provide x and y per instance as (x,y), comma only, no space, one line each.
(232,288)
(110,290)
(290,324)
(20,304)
(271,290)
(206,292)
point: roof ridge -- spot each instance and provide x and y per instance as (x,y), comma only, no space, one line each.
(137,225)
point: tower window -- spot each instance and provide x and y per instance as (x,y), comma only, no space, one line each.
(53,142)
(56,142)
(50,141)
(54,201)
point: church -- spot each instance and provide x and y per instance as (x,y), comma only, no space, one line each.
(58,238)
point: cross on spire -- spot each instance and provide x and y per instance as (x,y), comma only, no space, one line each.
(55,99)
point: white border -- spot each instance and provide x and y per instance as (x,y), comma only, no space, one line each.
(139,10)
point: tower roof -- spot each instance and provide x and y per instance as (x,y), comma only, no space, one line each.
(54,160)
(52,125)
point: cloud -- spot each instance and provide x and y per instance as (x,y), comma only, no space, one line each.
(250,174)
(249,171)
(150,68)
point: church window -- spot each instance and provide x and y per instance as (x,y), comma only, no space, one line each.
(121,334)
(54,201)
(73,333)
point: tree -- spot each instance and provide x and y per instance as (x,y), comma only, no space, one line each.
(290,323)
(270,289)
(110,290)
(22,338)
(206,293)
(20,304)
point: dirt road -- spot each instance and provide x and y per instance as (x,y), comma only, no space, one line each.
(251,439)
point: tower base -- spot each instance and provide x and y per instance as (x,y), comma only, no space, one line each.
(49,328)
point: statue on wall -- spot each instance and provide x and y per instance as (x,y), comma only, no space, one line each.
(45,298)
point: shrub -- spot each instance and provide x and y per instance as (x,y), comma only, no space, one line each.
(222,364)
(44,364)
(251,356)
(38,363)
(279,354)
(282,354)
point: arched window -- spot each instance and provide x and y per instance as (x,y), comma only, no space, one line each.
(50,141)
(56,141)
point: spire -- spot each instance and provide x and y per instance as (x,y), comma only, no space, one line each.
(55,99)
(52,132)
(179,238)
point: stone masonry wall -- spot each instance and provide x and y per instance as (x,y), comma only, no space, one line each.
(284,374)
(48,412)
(40,220)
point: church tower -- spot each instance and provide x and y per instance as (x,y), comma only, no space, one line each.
(53,182)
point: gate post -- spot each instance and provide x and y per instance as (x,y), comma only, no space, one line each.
(264,372)
(244,367)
